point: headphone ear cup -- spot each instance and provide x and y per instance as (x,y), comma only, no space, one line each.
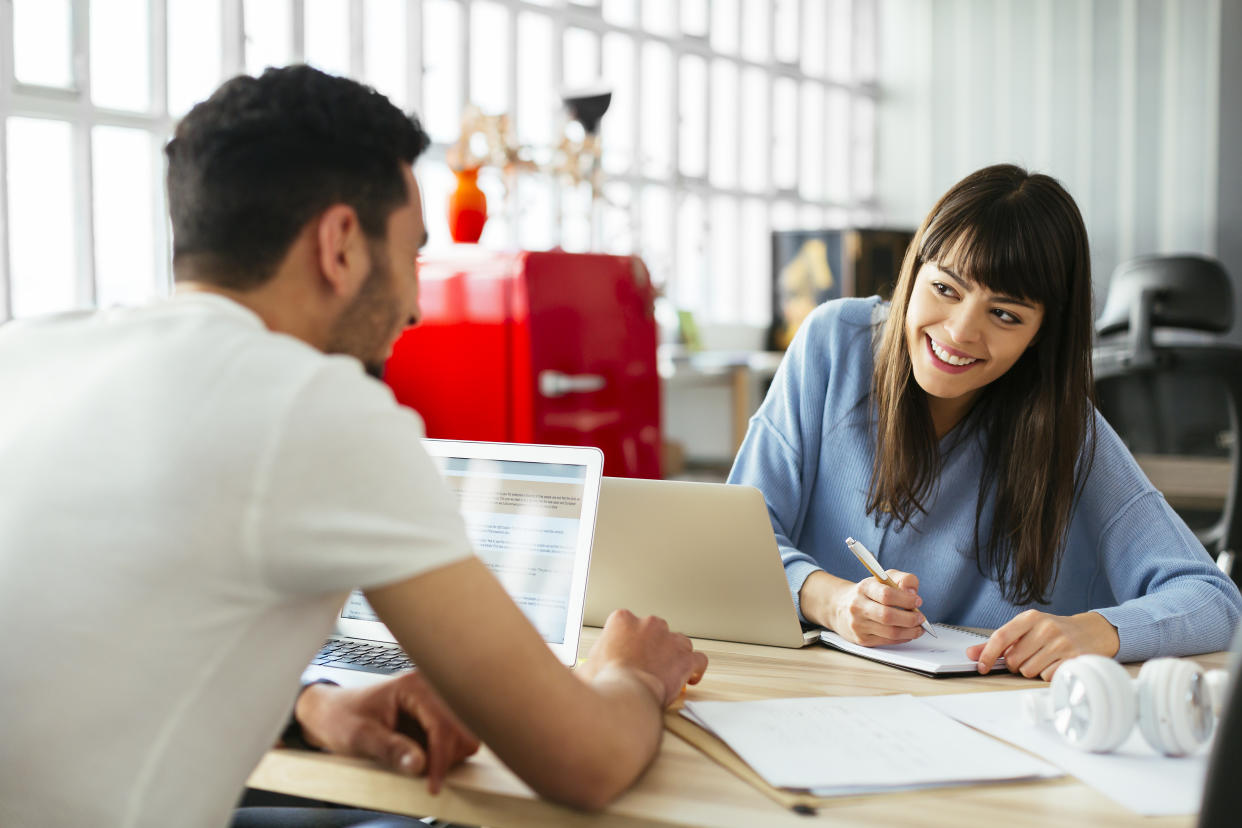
(1174,706)
(1093,703)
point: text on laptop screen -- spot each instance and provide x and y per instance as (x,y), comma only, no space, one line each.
(523,519)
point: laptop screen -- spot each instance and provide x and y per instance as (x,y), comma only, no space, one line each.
(530,515)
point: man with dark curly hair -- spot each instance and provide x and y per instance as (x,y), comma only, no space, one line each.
(189,490)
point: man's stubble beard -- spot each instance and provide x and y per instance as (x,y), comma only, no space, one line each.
(365,326)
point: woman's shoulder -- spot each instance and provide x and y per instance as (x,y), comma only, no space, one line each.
(841,319)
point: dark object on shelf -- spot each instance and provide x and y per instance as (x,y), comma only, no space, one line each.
(1165,383)
(810,267)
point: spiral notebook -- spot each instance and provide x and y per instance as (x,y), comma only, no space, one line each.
(938,657)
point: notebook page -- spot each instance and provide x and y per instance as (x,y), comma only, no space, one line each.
(847,745)
(944,653)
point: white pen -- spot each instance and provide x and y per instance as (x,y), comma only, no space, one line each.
(873,566)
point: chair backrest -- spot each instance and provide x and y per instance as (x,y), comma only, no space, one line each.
(1190,293)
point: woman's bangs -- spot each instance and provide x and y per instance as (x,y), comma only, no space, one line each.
(996,253)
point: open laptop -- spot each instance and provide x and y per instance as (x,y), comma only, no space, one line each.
(700,555)
(530,512)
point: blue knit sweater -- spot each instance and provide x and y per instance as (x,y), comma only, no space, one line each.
(810,448)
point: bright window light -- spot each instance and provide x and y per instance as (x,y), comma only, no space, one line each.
(42,230)
(125,252)
(120,57)
(43,42)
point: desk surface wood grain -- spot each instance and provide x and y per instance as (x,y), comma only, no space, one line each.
(684,787)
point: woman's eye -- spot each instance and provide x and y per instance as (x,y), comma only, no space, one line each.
(942,289)
(1006,316)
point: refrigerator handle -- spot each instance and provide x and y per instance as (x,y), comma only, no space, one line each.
(556,384)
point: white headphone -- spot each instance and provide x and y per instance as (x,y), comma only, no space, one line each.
(1093,704)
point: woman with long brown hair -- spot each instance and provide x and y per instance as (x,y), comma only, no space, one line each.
(953,432)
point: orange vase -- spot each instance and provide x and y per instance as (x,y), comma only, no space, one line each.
(467,208)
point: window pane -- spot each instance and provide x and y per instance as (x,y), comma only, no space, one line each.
(42,42)
(436,182)
(496,232)
(840,39)
(120,71)
(687,289)
(864,38)
(537,102)
(784,216)
(269,34)
(785,134)
(442,81)
(660,16)
(863,119)
(194,52)
(811,172)
(656,124)
(327,35)
(756,29)
(755,122)
(489,56)
(724,260)
(617,136)
(724,26)
(786,22)
(581,58)
(618,230)
(576,217)
(837,145)
(724,123)
(124,216)
(655,220)
(694,17)
(620,12)
(756,280)
(692,137)
(814,46)
(384,53)
(536,230)
(42,230)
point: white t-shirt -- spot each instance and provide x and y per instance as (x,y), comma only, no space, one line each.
(185,500)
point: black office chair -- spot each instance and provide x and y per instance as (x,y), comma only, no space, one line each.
(1166,381)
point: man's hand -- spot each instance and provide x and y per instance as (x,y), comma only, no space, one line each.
(402,723)
(868,612)
(1035,643)
(665,661)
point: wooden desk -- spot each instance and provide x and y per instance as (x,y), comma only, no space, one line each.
(1189,482)
(684,787)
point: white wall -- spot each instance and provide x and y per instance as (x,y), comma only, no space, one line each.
(1121,100)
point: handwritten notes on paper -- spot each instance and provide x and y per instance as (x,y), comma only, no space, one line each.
(833,746)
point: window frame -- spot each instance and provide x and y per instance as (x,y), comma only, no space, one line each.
(76,107)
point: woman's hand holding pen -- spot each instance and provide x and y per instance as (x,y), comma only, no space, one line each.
(1035,643)
(867,612)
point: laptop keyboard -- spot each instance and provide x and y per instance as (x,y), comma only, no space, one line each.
(361,655)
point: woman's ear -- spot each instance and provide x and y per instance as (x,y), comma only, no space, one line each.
(344,256)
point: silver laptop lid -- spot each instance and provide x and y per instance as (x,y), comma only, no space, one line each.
(530,513)
(700,555)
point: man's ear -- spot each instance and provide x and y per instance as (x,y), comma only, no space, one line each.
(344,257)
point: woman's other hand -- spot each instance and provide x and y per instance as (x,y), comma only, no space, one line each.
(1035,643)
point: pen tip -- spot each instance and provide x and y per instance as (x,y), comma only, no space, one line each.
(849,541)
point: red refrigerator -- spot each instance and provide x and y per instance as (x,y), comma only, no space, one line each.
(529,347)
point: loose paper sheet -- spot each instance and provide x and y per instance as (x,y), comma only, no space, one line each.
(1135,776)
(836,746)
